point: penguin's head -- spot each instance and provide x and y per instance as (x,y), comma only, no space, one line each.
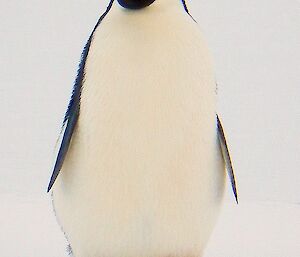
(135,4)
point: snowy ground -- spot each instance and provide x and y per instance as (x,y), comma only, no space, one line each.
(29,229)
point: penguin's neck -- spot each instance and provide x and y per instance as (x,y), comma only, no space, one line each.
(169,4)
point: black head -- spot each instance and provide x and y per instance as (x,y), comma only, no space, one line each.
(135,4)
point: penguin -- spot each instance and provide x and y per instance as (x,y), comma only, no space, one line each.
(140,171)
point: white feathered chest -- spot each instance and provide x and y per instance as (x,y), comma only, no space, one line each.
(144,175)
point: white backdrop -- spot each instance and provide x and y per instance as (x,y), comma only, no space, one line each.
(255,45)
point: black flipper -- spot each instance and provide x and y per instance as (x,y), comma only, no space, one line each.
(72,113)
(187,10)
(226,157)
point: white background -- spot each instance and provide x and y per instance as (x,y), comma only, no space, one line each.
(255,45)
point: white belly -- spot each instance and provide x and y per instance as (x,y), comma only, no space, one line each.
(143,176)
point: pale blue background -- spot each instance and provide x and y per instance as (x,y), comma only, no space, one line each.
(255,45)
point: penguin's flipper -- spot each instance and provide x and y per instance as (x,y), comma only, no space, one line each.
(226,157)
(72,113)
(66,140)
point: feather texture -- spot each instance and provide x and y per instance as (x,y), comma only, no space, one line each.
(72,113)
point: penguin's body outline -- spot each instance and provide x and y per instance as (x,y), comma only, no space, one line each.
(123,211)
